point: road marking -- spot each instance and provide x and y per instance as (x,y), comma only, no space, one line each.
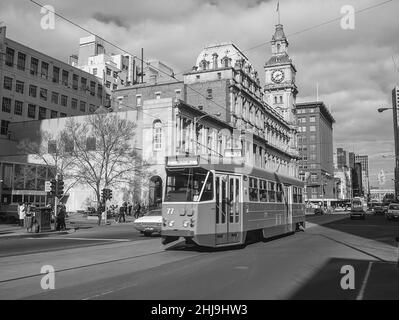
(84,239)
(364,283)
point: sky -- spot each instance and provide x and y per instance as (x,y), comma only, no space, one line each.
(354,69)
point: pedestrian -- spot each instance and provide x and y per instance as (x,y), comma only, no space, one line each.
(122,213)
(137,210)
(130,208)
(99,214)
(28,218)
(61,218)
(21,214)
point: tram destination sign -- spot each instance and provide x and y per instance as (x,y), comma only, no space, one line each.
(182,161)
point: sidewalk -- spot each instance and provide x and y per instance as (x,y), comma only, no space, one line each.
(8,231)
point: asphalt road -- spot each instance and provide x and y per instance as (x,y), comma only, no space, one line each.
(306,265)
(80,238)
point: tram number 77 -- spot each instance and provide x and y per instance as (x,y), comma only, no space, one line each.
(170,211)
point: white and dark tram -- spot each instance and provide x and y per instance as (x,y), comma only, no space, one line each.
(223,205)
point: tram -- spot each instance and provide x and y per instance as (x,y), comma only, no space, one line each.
(217,205)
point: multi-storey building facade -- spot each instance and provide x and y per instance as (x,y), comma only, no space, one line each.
(315,145)
(364,161)
(36,86)
(343,174)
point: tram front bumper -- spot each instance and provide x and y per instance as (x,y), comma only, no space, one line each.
(177,233)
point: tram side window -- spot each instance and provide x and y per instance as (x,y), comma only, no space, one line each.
(208,189)
(271,191)
(279,192)
(263,190)
(253,189)
(295,197)
(300,195)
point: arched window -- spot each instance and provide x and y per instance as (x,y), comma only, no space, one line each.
(157,135)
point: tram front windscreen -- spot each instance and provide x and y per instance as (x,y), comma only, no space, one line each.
(189,185)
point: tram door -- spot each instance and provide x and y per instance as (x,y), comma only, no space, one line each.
(288,197)
(228,209)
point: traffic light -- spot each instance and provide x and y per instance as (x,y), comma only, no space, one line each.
(106,194)
(53,187)
(60,189)
(103,194)
(109,194)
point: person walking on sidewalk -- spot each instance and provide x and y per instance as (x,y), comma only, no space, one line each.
(137,209)
(122,213)
(21,214)
(61,218)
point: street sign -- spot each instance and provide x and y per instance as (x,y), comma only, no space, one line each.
(47,186)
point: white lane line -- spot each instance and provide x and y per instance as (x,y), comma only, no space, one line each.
(84,239)
(108,292)
(364,283)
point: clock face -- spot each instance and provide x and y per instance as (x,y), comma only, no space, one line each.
(278,76)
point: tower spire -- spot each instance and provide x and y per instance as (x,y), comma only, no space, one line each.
(278,11)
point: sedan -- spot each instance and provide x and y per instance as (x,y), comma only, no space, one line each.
(393,211)
(150,223)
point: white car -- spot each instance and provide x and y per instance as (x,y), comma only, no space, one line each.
(150,223)
(393,211)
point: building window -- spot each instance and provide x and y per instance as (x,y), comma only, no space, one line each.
(312,129)
(115,75)
(313,157)
(108,84)
(100,91)
(74,104)
(65,77)
(53,114)
(281,99)
(82,106)
(114,86)
(108,71)
(75,82)
(18,106)
(253,190)
(138,100)
(312,119)
(63,115)
(6,106)
(311,110)
(209,94)
(43,94)
(178,94)
(10,57)
(312,147)
(21,61)
(64,101)
(198,76)
(303,129)
(31,111)
(95,71)
(19,87)
(44,70)
(7,83)
(219,75)
(56,74)
(34,66)
(157,135)
(42,113)
(157,95)
(83,84)
(54,97)
(312,138)
(92,108)
(4,127)
(32,91)
(91,144)
(92,88)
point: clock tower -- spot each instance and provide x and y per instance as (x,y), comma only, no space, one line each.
(280,90)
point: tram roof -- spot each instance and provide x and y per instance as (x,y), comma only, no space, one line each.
(249,171)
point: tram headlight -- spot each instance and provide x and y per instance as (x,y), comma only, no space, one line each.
(171,223)
(191,212)
(186,223)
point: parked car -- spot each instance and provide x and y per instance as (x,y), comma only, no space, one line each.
(91,211)
(150,223)
(393,211)
(320,211)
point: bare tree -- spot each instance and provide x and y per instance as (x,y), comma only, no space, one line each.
(50,150)
(103,152)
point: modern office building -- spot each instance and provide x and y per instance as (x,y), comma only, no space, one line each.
(364,161)
(315,145)
(35,86)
